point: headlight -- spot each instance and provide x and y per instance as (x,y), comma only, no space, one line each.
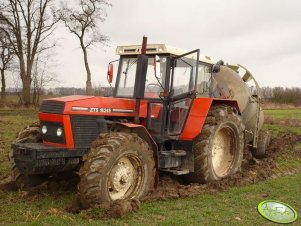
(59,132)
(44,129)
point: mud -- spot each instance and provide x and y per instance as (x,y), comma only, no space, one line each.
(7,184)
(283,122)
(54,184)
(252,171)
(173,187)
(120,208)
(74,207)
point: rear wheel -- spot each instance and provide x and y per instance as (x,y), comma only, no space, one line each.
(218,150)
(30,134)
(118,166)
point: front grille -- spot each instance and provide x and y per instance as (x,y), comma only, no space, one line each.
(50,106)
(86,129)
(51,132)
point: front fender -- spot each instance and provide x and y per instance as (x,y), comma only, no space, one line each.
(142,132)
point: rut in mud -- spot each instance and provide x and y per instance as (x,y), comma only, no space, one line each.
(252,171)
(172,187)
(283,122)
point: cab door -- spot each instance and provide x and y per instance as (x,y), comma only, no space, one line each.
(184,72)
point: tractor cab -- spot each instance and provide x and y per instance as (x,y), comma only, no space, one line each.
(174,77)
(169,69)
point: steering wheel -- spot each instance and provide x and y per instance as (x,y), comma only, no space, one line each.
(151,86)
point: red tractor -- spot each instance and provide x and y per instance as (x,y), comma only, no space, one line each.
(170,111)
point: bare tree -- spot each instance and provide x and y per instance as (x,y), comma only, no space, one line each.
(82,21)
(282,95)
(31,23)
(42,75)
(6,57)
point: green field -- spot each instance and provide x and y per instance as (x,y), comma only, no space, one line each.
(235,206)
(284,113)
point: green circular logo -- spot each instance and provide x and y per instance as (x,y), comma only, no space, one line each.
(278,212)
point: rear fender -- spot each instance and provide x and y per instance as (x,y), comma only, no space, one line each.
(198,114)
(231,103)
(142,132)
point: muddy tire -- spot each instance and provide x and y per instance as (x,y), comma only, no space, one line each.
(30,134)
(118,166)
(218,150)
(264,138)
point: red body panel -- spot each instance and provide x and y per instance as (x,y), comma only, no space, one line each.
(198,113)
(90,102)
(102,102)
(124,107)
(65,120)
(196,118)
(72,98)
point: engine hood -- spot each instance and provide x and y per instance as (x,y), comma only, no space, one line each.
(71,98)
(92,105)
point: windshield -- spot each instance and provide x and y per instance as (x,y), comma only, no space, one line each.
(154,79)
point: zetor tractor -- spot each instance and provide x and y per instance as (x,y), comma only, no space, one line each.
(170,111)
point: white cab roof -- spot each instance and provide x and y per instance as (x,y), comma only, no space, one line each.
(157,49)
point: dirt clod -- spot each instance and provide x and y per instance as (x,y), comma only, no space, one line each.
(74,207)
(120,208)
(7,184)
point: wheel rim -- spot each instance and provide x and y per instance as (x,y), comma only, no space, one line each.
(125,178)
(223,151)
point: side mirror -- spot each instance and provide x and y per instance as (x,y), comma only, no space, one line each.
(110,73)
(217,67)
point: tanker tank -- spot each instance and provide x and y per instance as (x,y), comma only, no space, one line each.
(229,83)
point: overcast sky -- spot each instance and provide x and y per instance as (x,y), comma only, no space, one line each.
(264,36)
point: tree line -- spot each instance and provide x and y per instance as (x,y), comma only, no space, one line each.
(282,95)
(26,38)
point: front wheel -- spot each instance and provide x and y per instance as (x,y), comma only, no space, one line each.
(118,166)
(218,150)
(30,134)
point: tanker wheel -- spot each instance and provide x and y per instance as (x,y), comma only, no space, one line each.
(118,166)
(218,150)
(30,134)
(264,138)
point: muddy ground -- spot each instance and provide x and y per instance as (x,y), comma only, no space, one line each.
(283,122)
(172,187)
(252,171)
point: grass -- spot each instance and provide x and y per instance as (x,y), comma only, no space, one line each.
(14,100)
(235,206)
(284,113)
(12,121)
(286,160)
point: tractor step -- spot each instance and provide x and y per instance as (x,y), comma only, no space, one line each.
(174,153)
(171,159)
(176,171)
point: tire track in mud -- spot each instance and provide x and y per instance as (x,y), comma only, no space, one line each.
(252,171)
(173,187)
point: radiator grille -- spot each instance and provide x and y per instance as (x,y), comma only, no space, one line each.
(86,129)
(54,107)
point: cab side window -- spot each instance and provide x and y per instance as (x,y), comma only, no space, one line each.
(203,84)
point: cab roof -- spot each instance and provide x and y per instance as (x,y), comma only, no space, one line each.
(157,49)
